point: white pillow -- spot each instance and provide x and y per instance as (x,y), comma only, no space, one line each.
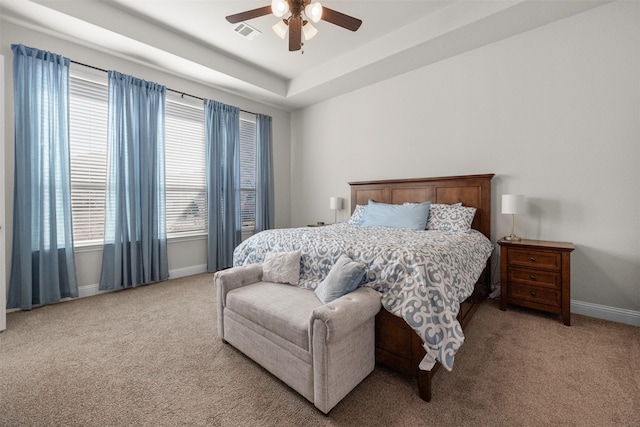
(282,267)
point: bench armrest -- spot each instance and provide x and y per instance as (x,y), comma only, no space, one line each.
(346,313)
(230,279)
(343,345)
(236,277)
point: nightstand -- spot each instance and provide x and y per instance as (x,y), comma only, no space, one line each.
(536,274)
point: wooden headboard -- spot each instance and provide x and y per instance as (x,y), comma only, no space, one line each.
(471,190)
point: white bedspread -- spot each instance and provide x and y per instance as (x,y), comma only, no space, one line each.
(422,276)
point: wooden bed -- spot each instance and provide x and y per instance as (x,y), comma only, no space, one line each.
(397,345)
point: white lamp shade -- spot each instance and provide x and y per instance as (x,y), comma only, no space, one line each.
(280,29)
(335,203)
(313,11)
(512,204)
(309,31)
(279,7)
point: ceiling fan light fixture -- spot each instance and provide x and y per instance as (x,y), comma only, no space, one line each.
(295,19)
(280,28)
(313,11)
(279,7)
(309,31)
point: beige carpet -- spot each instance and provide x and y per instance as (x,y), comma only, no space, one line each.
(151,357)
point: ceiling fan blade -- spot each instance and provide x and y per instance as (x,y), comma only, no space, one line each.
(340,19)
(295,33)
(249,14)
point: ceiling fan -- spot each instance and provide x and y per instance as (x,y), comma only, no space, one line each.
(297,23)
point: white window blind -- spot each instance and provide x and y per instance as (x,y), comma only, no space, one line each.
(88,112)
(248,173)
(185,166)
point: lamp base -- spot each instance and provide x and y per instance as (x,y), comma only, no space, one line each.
(512,238)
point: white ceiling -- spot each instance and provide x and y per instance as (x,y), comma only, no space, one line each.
(191,38)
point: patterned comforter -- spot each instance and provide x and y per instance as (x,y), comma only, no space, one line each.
(422,276)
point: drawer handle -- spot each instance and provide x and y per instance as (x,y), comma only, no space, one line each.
(532,277)
(532,259)
(533,293)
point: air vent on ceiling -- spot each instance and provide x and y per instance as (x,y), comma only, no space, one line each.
(247,31)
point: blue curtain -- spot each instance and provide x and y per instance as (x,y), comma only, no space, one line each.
(43,266)
(222,130)
(265,205)
(135,236)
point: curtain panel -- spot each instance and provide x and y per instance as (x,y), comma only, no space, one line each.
(43,266)
(222,139)
(265,204)
(135,237)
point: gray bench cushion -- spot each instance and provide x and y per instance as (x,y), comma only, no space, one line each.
(282,309)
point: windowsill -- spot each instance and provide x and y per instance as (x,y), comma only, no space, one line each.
(96,245)
(187,237)
(88,246)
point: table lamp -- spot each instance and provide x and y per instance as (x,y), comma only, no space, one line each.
(335,204)
(512,204)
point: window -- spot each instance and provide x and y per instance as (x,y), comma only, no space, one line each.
(88,113)
(248,173)
(186,195)
(185,166)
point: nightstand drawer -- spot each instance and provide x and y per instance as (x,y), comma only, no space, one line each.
(529,276)
(539,259)
(519,292)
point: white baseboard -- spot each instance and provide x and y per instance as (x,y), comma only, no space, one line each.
(620,315)
(187,271)
(91,290)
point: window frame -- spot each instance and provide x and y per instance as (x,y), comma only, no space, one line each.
(190,103)
(93,78)
(249,120)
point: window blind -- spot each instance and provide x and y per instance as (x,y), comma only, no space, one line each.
(248,172)
(88,112)
(185,166)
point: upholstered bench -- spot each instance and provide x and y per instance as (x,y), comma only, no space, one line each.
(322,351)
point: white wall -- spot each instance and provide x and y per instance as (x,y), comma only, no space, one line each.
(185,255)
(553,112)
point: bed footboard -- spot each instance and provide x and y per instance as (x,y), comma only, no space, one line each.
(398,346)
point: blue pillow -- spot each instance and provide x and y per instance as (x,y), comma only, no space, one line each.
(344,277)
(412,216)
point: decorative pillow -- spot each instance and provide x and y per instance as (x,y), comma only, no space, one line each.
(412,216)
(356,217)
(450,217)
(282,267)
(344,277)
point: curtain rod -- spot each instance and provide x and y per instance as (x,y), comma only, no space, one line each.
(169,89)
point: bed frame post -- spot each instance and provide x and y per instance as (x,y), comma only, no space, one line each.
(424,382)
